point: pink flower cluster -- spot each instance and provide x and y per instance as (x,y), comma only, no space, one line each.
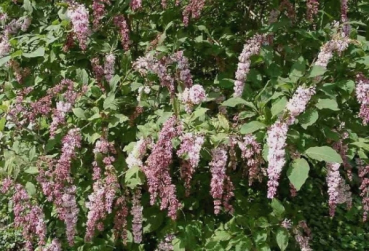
(232,165)
(166,244)
(56,182)
(338,190)
(252,47)
(297,104)
(286,223)
(19,72)
(54,246)
(303,236)
(26,23)
(251,153)
(342,149)
(193,8)
(289,7)
(218,176)
(109,66)
(193,96)
(136,4)
(29,113)
(149,63)
(276,140)
(4,46)
(120,219)
(137,154)
(362,95)
(189,151)
(277,136)
(104,189)
(344,19)
(68,212)
(98,71)
(157,169)
(184,68)
(312,8)
(121,23)
(27,216)
(364,186)
(136,212)
(81,26)
(98,8)
(338,44)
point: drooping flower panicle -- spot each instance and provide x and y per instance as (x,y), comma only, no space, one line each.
(276,140)
(157,169)
(190,146)
(193,96)
(81,26)
(252,47)
(362,96)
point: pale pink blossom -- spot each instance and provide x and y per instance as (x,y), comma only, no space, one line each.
(189,151)
(136,4)
(139,150)
(252,47)
(157,169)
(364,186)
(136,212)
(312,8)
(81,26)
(121,23)
(218,175)
(251,153)
(193,96)
(297,104)
(109,66)
(193,9)
(362,96)
(276,140)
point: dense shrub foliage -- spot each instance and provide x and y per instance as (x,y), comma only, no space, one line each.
(184,125)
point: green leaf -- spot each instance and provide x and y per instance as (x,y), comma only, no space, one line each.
(327,104)
(178,245)
(31,189)
(80,113)
(4,60)
(308,118)
(82,76)
(260,237)
(224,123)
(27,6)
(244,244)
(16,53)
(316,71)
(298,172)
(251,127)
(2,124)
(110,103)
(246,114)
(282,239)
(114,82)
(134,177)
(278,208)
(32,170)
(233,102)
(278,106)
(324,153)
(153,218)
(198,113)
(40,52)
(298,68)
(221,236)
